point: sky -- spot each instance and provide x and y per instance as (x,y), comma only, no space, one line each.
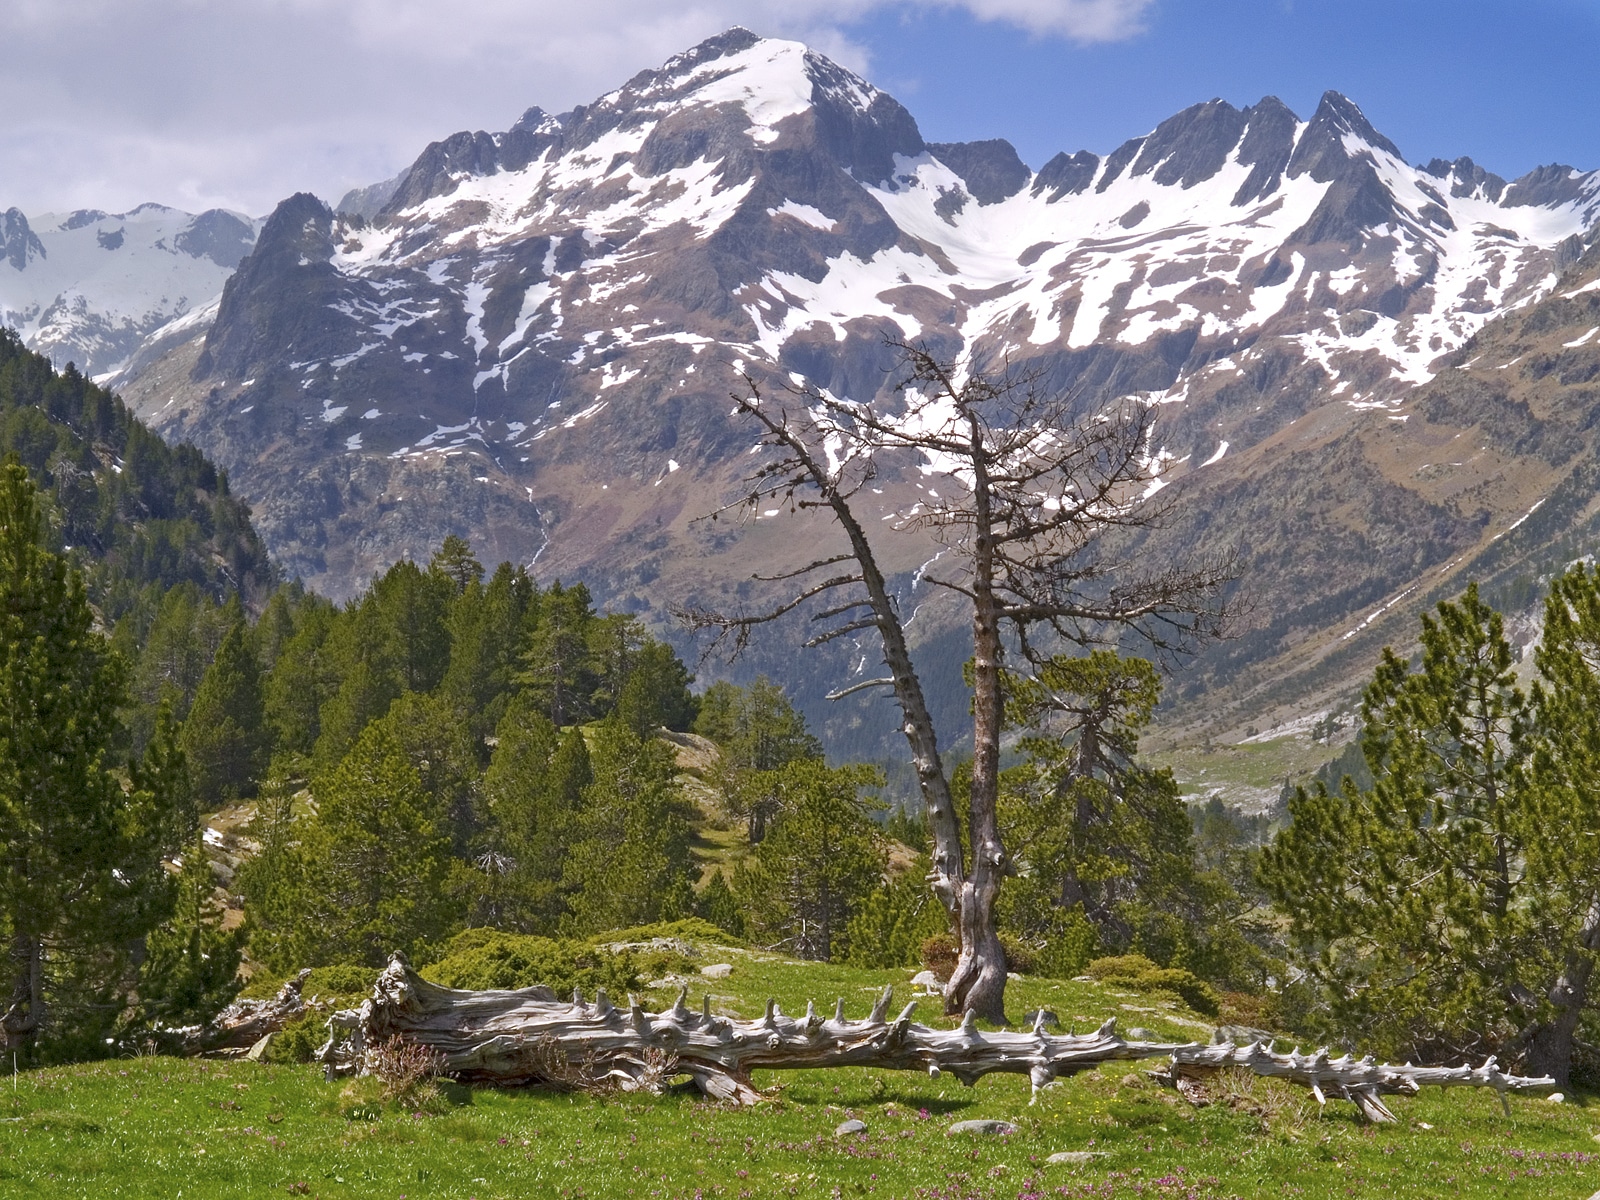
(239,103)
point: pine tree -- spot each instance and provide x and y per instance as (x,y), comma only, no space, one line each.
(225,736)
(656,695)
(79,865)
(758,731)
(631,849)
(1099,836)
(1406,901)
(533,790)
(191,967)
(1564,870)
(557,671)
(486,625)
(368,877)
(717,904)
(820,861)
(302,679)
(456,562)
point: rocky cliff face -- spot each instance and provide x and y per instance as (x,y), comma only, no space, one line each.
(532,342)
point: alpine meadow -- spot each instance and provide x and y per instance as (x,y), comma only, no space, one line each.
(706,645)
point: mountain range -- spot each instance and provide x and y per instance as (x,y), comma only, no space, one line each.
(529,338)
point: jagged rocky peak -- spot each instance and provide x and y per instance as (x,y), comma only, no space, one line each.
(19,245)
(1466,178)
(725,96)
(991,170)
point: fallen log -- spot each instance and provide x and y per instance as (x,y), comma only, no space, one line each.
(238,1027)
(529,1036)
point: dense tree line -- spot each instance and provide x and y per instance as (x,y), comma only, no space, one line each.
(136,515)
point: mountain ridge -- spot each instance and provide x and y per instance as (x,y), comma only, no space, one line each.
(531,342)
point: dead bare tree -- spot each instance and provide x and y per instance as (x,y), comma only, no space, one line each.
(1029,490)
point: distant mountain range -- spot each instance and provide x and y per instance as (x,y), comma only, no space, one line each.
(90,287)
(529,337)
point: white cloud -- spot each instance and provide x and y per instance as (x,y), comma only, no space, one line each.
(240,102)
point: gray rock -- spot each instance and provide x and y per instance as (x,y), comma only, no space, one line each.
(717,970)
(258,1051)
(848,1127)
(1084,979)
(989,1126)
(1050,1017)
(1062,1157)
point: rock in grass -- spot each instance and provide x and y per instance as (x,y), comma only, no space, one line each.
(989,1126)
(717,970)
(1069,1157)
(846,1128)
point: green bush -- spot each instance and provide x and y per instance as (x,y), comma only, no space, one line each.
(339,981)
(688,929)
(299,1039)
(940,952)
(487,958)
(1138,972)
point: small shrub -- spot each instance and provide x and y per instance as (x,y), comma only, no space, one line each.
(340,980)
(1138,972)
(408,1070)
(688,929)
(487,958)
(940,953)
(299,1039)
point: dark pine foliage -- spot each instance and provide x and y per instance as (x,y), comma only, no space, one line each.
(131,510)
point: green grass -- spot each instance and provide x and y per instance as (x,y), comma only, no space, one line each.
(167,1128)
(1249,775)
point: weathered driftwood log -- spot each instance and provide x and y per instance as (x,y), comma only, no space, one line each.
(531,1037)
(239,1026)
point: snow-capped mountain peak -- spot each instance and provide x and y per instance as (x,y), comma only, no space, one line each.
(90,286)
(580,288)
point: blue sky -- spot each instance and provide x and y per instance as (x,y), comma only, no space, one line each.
(238,103)
(1512,83)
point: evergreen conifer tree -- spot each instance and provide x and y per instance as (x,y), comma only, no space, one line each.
(79,866)
(630,859)
(1408,902)
(369,875)
(191,967)
(822,857)
(225,736)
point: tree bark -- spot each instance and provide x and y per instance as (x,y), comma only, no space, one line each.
(24,1018)
(978,982)
(1550,1047)
(530,1037)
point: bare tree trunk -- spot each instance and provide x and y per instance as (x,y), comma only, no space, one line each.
(948,867)
(24,1018)
(530,1037)
(1550,1047)
(978,983)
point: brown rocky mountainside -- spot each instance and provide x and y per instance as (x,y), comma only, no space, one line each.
(533,341)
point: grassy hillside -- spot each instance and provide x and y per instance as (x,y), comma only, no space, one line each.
(163,1127)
